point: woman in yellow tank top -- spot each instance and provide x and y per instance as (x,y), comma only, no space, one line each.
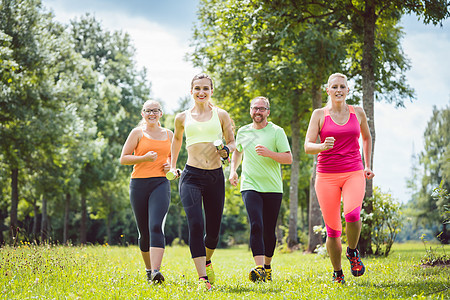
(148,149)
(202,180)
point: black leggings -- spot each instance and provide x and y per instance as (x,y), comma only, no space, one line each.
(262,210)
(197,184)
(150,199)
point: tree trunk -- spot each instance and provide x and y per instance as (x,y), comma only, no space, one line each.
(315,215)
(292,239)
(279,232)
(35,220)
(44,221)
(14,202)
(108,228)
(83,225)
(368,86)
(66,218)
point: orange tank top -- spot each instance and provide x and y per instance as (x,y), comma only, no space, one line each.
(151,168)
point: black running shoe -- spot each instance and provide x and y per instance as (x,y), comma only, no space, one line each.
(157,277)
(338,278)
(257,274)
(356,264)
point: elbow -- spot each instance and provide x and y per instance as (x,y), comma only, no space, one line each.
(305,147)
(288,159)
(123,160)
(307,150)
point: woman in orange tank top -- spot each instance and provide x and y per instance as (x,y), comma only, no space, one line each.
(148,149)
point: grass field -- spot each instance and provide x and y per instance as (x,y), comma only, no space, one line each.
(112,272)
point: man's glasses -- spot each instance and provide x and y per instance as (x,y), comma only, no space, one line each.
(152,111)
(261,109)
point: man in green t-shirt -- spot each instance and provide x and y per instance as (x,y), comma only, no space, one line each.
(264,146)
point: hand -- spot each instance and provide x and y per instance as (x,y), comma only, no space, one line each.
(223,153)
(175,171)
(166,167)
(262,150)
(368,173)
(328,143)
(150,156)
(233,178)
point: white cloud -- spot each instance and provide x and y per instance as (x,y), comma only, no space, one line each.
(158,49)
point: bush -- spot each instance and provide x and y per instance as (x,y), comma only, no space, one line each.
(385,221)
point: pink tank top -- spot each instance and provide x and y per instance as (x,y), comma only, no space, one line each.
(345,155)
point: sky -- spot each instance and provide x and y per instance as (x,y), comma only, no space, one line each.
(161,30)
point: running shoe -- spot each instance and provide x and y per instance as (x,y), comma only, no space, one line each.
(210,273)
(157,277)
(338,278)
(257,274)
(356,264)
(204,285)
(268,274)
(149,275)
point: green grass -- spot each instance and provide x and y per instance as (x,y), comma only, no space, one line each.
(110,272)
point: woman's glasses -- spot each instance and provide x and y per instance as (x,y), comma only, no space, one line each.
(152,111)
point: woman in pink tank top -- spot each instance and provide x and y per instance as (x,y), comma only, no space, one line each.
(340,170)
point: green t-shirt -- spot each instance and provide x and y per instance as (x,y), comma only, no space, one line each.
(261,174)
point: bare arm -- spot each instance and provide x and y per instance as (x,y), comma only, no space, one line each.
(227,130)
(235,162)
(166,165)
(311,146)
(280,157)
(127,157)
(177,140)
(366,142)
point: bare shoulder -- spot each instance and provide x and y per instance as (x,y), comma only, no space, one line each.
(359,111)
(224,117)
(222,112)
(318,113)
(170,133)
(180,117)
(136,132)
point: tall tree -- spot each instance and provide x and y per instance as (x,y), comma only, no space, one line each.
(121,92)
(254,50)
(29,107)
(434,162)
(379,67)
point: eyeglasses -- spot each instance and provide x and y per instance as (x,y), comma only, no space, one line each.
(261,109)
(152,111)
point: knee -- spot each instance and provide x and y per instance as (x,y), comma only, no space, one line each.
(256,228)
(196,228)
(332,233)
(353,216)
(155,229)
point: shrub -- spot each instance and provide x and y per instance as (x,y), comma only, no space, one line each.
(385,221)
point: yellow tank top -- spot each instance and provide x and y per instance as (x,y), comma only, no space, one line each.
(201,132)
(151,168)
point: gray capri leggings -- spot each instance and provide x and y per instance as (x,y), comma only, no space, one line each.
(150,199)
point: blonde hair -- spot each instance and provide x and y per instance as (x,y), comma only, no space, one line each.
(142,122)
(332,76)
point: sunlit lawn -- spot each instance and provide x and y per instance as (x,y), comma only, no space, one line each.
(107,272)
